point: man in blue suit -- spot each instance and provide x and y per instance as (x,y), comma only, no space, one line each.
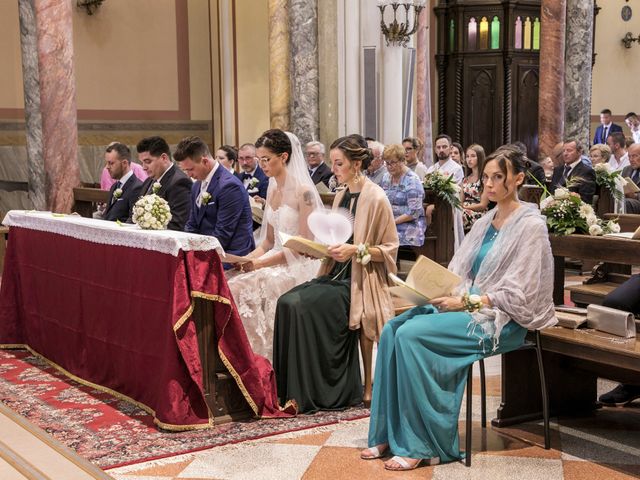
(251,175)
(606,127)
(220,204)
(126,191)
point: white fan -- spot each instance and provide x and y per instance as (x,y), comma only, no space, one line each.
(331,227)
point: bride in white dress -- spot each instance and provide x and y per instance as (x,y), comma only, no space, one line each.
(274,270)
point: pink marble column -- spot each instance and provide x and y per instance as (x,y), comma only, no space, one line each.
(423,88)
(58,102)
(551,97)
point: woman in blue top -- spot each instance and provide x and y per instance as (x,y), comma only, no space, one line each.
(506,267)
(406,195)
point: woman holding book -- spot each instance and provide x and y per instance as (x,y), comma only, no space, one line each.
(424,354)
(474,203)
(315,354)
(270,270)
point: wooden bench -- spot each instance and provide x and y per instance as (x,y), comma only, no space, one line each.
(608,274)
(4,233)
(87,199)
(573,361)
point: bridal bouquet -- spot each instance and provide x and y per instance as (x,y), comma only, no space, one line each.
(566,214)
(151,212)
(444,186)
(611,180)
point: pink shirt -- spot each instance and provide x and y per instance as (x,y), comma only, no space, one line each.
(106,181)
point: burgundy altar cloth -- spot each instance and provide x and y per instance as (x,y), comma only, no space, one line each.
(120,318)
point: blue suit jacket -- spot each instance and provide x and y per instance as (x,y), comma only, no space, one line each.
(120,209)
(597,138)
(264,181)
(227,215)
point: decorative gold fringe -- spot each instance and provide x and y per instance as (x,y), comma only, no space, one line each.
(149,410)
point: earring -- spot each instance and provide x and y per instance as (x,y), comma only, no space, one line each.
(357,178)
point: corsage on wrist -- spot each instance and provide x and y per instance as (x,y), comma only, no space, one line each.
(362,254)
(472,303)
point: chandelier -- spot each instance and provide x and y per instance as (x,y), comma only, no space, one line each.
(398,33)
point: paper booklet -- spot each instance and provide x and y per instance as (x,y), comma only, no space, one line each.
(256,210)
(322,188)
(630,186)
(426,280)
(304,246)
(630,235)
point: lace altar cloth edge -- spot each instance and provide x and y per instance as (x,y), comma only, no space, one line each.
(111,233)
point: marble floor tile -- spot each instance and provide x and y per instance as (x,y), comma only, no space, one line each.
(312,439)
(594,471)
(501,468)
(354,435)
(263,461)
(600,445)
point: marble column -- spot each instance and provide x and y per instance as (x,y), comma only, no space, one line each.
(327,71)
(33,119)
(57,102)
(392,95)
(303,21)
(279,59)
(423,88)
(551,97)
(577,79)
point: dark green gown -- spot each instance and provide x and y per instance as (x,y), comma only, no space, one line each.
(315,354)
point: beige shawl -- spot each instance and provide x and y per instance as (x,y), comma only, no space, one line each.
(374,225)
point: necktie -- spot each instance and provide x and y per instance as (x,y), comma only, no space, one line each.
(567,169)
(636,176)
(604,135)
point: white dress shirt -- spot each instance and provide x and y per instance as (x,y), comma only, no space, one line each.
(450,167)
(618,165)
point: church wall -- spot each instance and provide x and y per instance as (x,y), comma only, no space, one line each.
(617,69)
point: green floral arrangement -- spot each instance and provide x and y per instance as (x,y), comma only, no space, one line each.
(445,187)
(610,179)
(566,214)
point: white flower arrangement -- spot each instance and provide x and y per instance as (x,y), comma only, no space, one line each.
(610,179)
(205,198)
(362,254)
(566,214)
(444,186)
(156,187)
(117,193)
(151,212)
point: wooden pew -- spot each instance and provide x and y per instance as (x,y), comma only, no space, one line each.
(439,237)
(4,233)
(603,202)
(86,200)
(530,193)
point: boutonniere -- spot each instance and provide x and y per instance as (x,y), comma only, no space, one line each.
(156,187)
(253,182)
(117,193)
(205,197)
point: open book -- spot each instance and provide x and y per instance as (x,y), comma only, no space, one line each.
(256,210)
(426,280)
(630,186)
(322,188)
(630,235)
(304,246)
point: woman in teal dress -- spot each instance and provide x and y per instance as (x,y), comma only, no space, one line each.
(506,266)
(319,323)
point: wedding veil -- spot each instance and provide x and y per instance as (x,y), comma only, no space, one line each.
(298,194)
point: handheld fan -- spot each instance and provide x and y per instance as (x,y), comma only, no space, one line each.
(331,227)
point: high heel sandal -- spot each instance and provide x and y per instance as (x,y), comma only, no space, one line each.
(375,451)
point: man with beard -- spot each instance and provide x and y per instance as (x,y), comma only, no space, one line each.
(445,163)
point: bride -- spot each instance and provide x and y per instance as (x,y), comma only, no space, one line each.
(272,269)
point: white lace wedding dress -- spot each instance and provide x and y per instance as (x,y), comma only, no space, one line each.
(256,293)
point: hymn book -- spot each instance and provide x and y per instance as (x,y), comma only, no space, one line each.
(630,186)
(426,280)
(322,188)
(304,246)
(630,235)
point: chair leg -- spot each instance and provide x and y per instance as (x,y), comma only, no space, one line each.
(483,395)
(467,459)
(545,395)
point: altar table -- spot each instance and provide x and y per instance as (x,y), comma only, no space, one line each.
(113,306)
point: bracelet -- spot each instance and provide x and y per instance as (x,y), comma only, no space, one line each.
(472,303)
(362,254)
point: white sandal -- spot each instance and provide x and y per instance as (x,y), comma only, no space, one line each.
(375,453)
(404,465)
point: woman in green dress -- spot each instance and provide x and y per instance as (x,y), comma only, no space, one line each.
(506,266)
(319,323)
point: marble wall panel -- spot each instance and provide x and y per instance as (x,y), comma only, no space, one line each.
(279,64)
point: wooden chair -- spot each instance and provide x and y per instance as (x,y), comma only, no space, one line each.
(529,344)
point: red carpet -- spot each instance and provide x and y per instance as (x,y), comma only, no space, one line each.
(111,432)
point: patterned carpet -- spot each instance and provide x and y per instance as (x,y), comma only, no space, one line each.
(111,432)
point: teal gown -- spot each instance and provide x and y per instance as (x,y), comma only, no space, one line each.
(421,370)
(315,354)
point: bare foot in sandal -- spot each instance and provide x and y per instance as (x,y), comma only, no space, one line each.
(404,463)
(372,453)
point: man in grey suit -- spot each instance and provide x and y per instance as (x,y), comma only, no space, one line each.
(632,202)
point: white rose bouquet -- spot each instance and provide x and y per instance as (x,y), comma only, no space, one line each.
(566,214)
(611,180)
(151,212)
(444,186)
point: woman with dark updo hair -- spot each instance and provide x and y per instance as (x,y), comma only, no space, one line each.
(227,156)
(505,264)
(315,354)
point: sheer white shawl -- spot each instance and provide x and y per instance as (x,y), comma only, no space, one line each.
(516,274)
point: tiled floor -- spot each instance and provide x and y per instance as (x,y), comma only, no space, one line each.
(604,446)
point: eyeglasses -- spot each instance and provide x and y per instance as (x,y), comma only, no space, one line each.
(313,154)
(391,164)
(264,160)
(409,149)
